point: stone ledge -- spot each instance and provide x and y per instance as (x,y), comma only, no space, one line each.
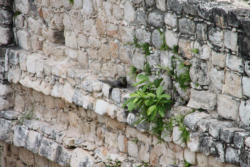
(82,88)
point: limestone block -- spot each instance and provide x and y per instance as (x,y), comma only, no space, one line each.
(103,107)
(156,18)
(232,155)
(33,141)
(177,137)
(64,156)
(193,143)
(116,95)
(192,119)
(5,17)
(23,6)
(144,153)
(227,134)
(80,158)
(82,41)
(23,39)
(122,143)
(143,36)
(14,75)
(129,12)
(161,4)
(26,156)
(202,160)
(247,142)
(189,156)
(215,126)
(246,86)
(138,60)
(206,52)
(227,107)
(57,90)
(232,84)
(171,20)
(186,26)
(4,90)
(5,129)
(132,149)
(216,78)
(199,72)
(34,63)
(235,63)
(127,34)
(230,40)
(6,35)
(244,112)
(9,114)
(157,39)
(247,68)
(208,101)
(239,139)
(48,149)
(34,25)
(20,136)
(218,59)
(4,104)
(171,38)
(201,31)
(71,39)
(215,37)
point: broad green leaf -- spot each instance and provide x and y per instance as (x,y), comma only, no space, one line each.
(165,96)
(162,112)
(153,115)
(159,91)
(131,106)
(151,109)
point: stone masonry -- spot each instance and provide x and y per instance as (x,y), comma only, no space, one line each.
(55,110)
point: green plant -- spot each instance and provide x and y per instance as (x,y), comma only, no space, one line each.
(184,132)
(16,13)
(182,78)
(186,164)
(144,164)
(111,163)
(147,69)
(151,101)
(195,51)
(28,115)
(145,46)
(176,49)
(164,46)
(71,2)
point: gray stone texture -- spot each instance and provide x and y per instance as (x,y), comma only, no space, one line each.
(156,18)
(186,26)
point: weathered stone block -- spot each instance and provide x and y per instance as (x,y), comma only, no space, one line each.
(6,36)
(227,107)
(215,126)
(201,31)
(185,48)
(247,67)
(23,6)
(208,101)
(216,78)
(48,149)
(156,18)
(232,155)
(143,36)
(171,20)
(186,26)
(33,141)
(230,40)
(23,39)
(235,63)
(171,38)
(129,12)
(34,63)
(244,112)
(116,95)
(177,137)
(132,149)
(64,156)
(218,59)
(227,134)
(192,119)
(81,158)
(26,156)
(239,139)
(87,7)
(138,60)
(4,90)
(71,39)
(246,86)
(20,136)
(4,104)
(232,84)
(190,156)
(5,17)
(157,39)
(161,4)
(215,37)
(5,130)
(103,107)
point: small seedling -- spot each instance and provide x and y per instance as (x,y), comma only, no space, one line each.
(195,51)
(71,2)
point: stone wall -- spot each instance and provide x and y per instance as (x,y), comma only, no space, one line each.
(64,49)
